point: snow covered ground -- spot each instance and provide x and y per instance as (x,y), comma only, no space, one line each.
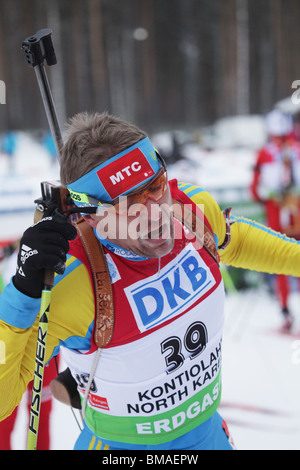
(261,372)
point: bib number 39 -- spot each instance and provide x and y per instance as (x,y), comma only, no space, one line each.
(194,343)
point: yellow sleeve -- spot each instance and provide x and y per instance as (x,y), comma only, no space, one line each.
(70,322)
(251,245)
(256,247)
(16,367)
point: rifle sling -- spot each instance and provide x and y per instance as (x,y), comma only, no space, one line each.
(104,319)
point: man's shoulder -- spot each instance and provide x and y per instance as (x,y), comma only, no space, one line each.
(190,189)
(206,202)
(72,300)
(197,194)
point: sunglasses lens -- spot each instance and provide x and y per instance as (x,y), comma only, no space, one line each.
(154,191)
(122,206)
(158,188)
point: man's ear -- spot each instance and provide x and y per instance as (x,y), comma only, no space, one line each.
(91,220)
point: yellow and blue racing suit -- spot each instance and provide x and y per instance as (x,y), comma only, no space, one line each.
(158,383)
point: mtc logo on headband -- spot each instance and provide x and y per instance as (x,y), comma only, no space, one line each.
(125,173)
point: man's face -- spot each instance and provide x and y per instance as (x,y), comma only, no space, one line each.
(146,229)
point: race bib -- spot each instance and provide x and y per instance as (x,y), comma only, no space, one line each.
(169,293)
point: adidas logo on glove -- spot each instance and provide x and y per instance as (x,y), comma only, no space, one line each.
(26,252)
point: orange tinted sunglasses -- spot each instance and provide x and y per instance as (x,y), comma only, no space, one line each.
(153,191)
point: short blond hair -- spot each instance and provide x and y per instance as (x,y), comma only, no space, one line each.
(91,139)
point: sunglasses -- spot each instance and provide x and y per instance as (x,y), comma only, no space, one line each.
(153,190)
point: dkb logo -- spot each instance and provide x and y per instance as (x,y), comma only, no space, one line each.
(2,92)
(178,285)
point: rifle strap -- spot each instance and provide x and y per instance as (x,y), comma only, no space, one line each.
(196,225)
(104,319)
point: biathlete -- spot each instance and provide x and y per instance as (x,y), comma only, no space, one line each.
(157,383)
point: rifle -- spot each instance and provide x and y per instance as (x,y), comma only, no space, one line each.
(37,49)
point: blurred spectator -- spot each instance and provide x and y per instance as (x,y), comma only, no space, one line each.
(276,184)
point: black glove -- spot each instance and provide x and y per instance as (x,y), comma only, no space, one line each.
(44,245)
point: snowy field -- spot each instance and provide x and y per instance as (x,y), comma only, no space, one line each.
(261,367)
(261,373)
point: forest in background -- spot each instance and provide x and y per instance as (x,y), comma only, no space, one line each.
(159,63)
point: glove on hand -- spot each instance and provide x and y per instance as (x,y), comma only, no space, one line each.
(44,245)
